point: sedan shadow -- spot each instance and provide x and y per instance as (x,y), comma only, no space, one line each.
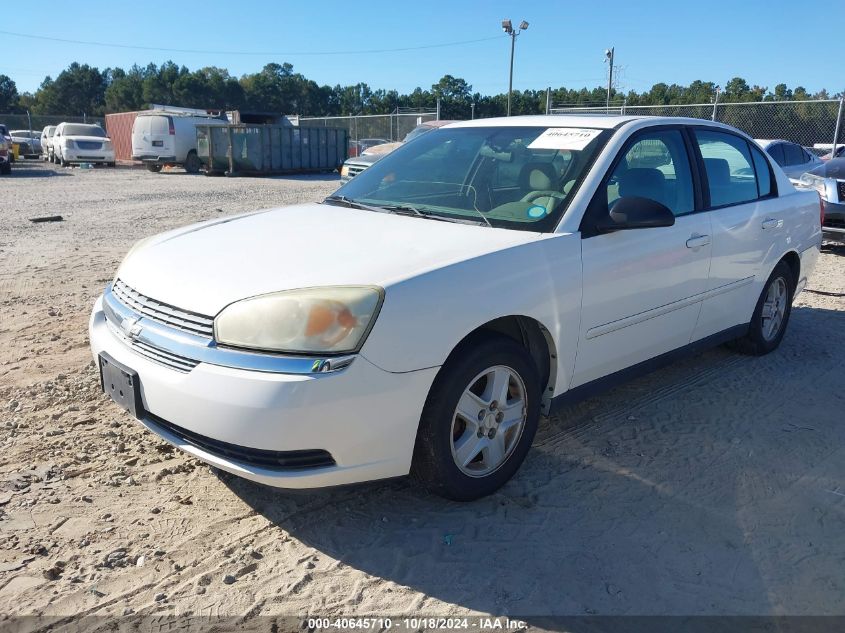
(701,489)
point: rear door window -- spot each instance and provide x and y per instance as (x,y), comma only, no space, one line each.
(159,125)
(731,177)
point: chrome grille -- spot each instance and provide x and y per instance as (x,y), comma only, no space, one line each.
(89,145)
(353,170)
(192,322)
(155,354)
(840,188)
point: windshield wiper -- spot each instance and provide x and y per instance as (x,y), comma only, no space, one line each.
(349,202)
(406,209)
(402,209)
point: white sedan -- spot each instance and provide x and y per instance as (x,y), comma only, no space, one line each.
(423,318)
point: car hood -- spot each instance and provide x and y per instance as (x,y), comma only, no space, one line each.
(834,168)
(205,267)
(381,150)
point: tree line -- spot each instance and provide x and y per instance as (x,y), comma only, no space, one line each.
(81,88)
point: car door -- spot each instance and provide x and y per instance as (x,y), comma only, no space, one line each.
(745,215)
(642,288)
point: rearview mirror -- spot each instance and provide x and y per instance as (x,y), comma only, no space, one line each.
(633,212)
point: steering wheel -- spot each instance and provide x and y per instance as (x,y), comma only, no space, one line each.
(549,193)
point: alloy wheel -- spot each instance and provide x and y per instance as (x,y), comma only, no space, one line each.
(488,421)
(774,308)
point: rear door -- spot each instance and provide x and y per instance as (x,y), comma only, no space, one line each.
(746,216)
(642,288)
(153,137)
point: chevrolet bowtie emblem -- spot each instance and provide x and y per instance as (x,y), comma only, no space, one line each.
(129,326)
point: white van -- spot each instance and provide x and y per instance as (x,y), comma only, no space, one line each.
(169,137)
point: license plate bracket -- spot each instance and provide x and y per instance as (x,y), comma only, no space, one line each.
(121,384)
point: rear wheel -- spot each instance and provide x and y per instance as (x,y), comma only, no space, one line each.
(768,323)
(479,419)
(153,168)
(192,163)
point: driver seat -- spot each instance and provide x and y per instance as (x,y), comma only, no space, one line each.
(538,178)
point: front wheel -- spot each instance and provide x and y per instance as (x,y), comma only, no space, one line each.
(771,315)
(152,167)
(479,419)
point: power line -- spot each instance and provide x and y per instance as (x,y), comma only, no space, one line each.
(256,53)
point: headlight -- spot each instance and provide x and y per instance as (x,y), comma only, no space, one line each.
(308,321)
(69,143)
(107,146)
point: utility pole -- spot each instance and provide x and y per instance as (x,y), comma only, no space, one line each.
(472,110)
(609,53)
(507,27)
(716,102)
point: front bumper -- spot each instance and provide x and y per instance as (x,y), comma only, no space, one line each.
(87,156)
(364,417)
(834,220)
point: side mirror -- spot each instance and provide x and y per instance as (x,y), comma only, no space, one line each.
(633,212)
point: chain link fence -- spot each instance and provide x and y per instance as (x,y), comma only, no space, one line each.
(815,124)
(390,127)
(40,121)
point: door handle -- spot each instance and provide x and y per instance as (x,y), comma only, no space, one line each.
(696,241)
(772,223)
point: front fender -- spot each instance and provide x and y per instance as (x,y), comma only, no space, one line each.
(426,316)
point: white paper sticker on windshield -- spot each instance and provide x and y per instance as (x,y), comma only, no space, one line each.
(576,138)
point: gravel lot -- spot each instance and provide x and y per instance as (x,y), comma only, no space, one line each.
(714,486)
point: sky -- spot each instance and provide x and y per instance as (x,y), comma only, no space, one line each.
(765,42)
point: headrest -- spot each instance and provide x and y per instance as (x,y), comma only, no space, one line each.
(718,171)
(643,182)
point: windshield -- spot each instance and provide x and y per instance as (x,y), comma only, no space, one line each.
(78,129)
(511,177)
(24,133)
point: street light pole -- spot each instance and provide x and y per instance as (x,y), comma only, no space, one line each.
(507,27)
(609,55)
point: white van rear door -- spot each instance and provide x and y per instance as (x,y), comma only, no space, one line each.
(160,137)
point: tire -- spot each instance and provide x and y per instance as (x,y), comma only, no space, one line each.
(111,164)
(6,169)
(152,167)
(446,437)
(192,163)
(764,337)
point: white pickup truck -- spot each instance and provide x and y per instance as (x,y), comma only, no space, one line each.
(423,317)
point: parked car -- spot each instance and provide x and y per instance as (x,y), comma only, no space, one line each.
(47,142)
(4,134)
(82,143)
(369,155)
(829,180)
(424,316)
(792,158)
(5,157)
(29,142)
(169,137)
(840,152)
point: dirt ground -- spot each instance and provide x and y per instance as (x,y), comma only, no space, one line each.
(714,486)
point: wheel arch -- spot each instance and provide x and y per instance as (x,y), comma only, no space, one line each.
(534,337)
(793,260)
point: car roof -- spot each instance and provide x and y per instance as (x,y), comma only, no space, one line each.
(600,121)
